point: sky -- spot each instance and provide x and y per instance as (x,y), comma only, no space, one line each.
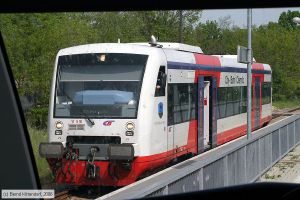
(239,16)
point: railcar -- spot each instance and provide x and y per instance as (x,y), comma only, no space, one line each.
(121,110)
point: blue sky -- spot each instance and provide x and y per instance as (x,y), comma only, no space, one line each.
(239,16)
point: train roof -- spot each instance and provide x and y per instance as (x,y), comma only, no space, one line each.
(231,60)
(90,48)
(230,56)
(174,46)
(184,53)
(105,47)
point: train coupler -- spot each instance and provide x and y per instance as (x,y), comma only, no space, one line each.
(92,171)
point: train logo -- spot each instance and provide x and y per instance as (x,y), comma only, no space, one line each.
(160,109)
(108,123)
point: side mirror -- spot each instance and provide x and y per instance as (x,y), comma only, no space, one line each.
(161,84)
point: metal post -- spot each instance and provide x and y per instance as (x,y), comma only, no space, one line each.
(249,74)
(180,26)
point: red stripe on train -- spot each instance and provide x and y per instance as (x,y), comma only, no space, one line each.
(210,61)
(207,60)
(258,66)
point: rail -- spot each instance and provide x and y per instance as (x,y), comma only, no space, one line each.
(284,112)
(237,162)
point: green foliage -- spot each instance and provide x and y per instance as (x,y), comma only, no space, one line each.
(286,103)
(286,19)
(279,47)
(209,35)
(37,117)
(36,137)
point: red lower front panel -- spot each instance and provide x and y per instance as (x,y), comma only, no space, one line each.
(113,173)
(110,173)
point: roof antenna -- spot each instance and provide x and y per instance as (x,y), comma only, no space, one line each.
(153,42)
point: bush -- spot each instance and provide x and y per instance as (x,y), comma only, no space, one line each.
(37,117)
(278,97)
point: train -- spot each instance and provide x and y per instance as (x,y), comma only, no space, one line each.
(120,111)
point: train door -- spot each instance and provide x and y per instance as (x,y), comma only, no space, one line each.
(170,131)
(200,109)
(207,121)
(256,102)
(206,107)
(159,136)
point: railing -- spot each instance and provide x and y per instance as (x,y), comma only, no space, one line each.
(238,162)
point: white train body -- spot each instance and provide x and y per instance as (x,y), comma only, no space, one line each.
(177,108)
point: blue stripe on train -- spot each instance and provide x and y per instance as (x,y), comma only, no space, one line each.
(189,66)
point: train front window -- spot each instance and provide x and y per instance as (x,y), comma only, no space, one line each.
(99,85)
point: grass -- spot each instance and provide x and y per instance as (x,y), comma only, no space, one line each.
(267,176)
(286,103)
(36,137)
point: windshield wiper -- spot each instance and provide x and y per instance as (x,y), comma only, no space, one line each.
(80,110)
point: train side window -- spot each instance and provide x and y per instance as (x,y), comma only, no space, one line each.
(236,100)
(193,100)
(266,93)
(177,117)
(184,101)
(230,102)
(244,100)
(222,94)
(160,87)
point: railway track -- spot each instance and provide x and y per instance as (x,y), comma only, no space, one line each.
(284,112)
(83,193)
(64,195)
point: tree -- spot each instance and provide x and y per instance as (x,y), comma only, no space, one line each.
(278,46)
(209,37)
(165,24)
(286,19)
(33,40)
(225,22)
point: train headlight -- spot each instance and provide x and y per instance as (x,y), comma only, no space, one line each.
(130,126)
(59,125)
